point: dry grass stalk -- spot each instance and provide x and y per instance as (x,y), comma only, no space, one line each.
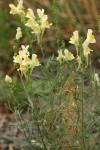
(45,3)
(69,12)
(94,10)
(89,13)
(71,117)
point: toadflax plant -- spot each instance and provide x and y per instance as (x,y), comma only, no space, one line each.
(59,108)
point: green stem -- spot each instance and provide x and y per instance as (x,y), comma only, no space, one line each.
(82,94)
(42,50)
(29,100)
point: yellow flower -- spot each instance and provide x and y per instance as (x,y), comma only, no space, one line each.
(30,14)
(19,33)
(31,18)
(24,69)
(43,19)
(74,39)
(85,45)
(68,55)
(60,57)
(26,61)
(90,37)
(34,62)
(97,79)
(37,23)
(32,23)
(36,29)
(17,59)
(40,13)
(29,23)
(17,9)
(86,49)
(26,65)
(8,79)
(45,24)
(24,52)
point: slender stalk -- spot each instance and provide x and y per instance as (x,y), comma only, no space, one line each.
(42,50)
(40,43)
(29,100)
(82,99)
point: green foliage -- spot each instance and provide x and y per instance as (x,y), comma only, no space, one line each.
(60,100)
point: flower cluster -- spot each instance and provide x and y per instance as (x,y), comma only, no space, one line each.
(90,39)
(19,9)
(26,65)
(37,23)
(75,40)
(67,56)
